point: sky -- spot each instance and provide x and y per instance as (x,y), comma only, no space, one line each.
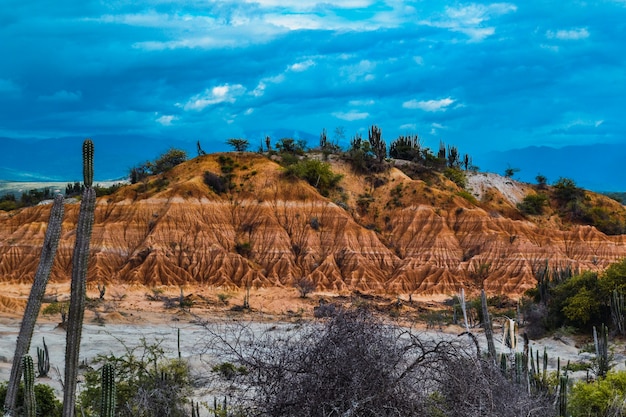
(482,76)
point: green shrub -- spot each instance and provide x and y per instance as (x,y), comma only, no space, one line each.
(533,204)
(219,184)
(468,196)
(228,371)
(603,397)
(456,175)
(47,403)
(317,173)
(147,383)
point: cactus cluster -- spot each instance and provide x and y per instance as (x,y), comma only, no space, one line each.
(77,296)
(43,360)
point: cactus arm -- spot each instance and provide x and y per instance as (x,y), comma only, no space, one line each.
(30,403)
(80,261)
(33,305)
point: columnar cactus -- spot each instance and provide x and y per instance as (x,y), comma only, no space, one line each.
(30,404)
(602,351)
(562,400)
(43,360)
(108,400)
(37,291)
(78,286)
(88,163)
(487,326)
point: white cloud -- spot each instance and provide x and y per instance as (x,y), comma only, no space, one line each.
(301,66)
(262,85)
(350,116)
(360,71)
(361,102)
(204,42)
(470,19)
(249,111)
(296,21)
(62,96)
(304,5)
(429,105)
(166,119)
(418,60)
(220,94)
(568,35)
(408,126)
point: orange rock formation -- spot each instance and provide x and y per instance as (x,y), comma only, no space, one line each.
(270,231)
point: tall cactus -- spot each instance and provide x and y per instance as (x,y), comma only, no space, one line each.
(618,310)
(491,347)
(80,261)
(107,402)
(602,351)
(37,291)
(30,404)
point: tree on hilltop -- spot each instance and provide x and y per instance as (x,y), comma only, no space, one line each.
(239,145)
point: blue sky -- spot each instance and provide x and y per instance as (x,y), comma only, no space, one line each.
(482,76)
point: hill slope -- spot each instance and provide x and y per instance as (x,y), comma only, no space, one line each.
(386,233)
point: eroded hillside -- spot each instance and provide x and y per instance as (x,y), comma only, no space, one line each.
(384,233)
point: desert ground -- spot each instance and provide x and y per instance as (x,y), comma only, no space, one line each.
(129,313)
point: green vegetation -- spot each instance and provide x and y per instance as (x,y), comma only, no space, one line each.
(46,402)
(162,164)
(317,173)
(509,172)
(147,383)
(533,204)
(575,206)
(239,145)
(600,398)
(456,175)
(583,300)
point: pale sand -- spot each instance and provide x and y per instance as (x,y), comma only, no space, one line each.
(127,315)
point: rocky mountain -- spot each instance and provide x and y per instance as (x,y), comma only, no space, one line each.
(382,233)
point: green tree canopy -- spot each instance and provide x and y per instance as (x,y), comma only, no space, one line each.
(239,145)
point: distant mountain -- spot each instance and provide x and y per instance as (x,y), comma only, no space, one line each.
(59,159)
(597,167)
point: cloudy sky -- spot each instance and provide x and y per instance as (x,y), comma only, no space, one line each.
(478,75)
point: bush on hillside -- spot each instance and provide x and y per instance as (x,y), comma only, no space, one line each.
(533,204)
(317,173)
(163,163)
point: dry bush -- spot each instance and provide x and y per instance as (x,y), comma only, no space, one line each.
(355,364)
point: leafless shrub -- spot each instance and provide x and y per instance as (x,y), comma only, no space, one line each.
(305,286)
(355,364)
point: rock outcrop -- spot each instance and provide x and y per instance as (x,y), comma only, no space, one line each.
(402,236)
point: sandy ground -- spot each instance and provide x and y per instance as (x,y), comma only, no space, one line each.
(128,314)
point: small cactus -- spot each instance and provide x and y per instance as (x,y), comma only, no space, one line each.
(30,404)
(43,360)
(108,399)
